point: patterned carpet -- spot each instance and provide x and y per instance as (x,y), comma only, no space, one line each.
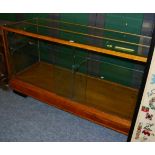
(26,119)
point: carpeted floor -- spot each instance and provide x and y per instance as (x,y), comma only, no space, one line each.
(26,119)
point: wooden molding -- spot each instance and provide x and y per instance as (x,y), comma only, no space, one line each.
(89,113)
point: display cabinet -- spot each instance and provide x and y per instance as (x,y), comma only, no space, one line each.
(55,62)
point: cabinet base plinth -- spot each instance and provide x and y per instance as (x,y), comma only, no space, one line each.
(89,113)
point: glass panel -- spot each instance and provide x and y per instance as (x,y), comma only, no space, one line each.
(94,86)
(63,74)
(121,72)
(80,76)
(23,51)
(106,90)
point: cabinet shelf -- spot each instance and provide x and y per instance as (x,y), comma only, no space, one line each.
(78,45)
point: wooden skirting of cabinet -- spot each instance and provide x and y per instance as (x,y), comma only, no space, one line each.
(87,112)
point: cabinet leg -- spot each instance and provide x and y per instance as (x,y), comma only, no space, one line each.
(20,94)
